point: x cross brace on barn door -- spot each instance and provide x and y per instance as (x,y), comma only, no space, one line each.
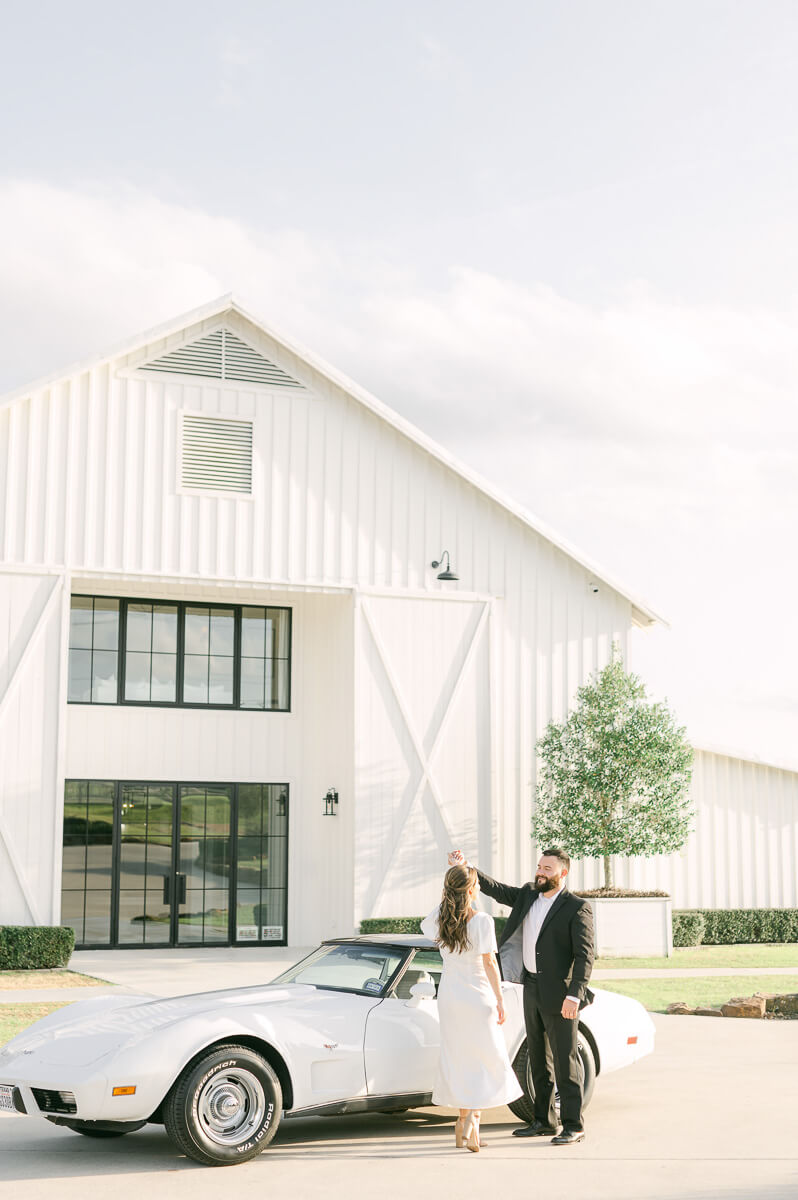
(428,790)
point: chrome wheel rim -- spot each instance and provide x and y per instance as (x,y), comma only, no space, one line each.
(231,1107)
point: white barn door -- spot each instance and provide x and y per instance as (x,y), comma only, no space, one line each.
(32,694)
(422,747)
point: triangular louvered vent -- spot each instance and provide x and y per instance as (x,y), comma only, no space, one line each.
(222,355)
(217,454)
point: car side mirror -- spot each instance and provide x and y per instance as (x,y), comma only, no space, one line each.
(423,990)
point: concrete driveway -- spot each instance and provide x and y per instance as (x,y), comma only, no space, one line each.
(712,1113)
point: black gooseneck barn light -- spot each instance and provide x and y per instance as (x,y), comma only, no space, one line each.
(448,573)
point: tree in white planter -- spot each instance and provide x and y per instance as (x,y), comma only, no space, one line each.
(614,777)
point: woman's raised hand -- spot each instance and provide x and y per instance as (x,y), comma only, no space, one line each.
(456,857)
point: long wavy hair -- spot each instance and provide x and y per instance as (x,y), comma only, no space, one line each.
(455,909)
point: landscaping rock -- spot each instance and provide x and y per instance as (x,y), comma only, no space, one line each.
(680,1009)
(708,1012)
(744,1006)
(785,1006)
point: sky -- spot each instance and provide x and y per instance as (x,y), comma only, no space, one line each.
(559,237)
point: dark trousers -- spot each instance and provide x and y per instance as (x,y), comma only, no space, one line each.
(552,1042)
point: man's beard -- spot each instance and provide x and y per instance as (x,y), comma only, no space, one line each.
(544,884)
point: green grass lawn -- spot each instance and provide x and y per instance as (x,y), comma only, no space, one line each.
(657,994)
(14,980)
(768,954)
(16,1017)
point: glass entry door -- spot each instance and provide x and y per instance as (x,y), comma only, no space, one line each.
(146,864)
(201,900)
(175,864)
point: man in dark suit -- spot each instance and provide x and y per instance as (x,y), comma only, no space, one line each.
(547,945)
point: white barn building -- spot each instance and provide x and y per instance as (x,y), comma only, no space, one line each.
(237,702)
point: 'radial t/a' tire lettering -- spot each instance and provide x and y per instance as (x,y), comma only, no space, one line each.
(225,1107)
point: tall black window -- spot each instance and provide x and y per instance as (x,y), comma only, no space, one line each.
(94,650)
(262,861)
(161,653)
(87,873)
(209,662)
(151,653)
(264,658)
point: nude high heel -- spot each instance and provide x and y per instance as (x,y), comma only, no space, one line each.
(472,1132)
(459,1125)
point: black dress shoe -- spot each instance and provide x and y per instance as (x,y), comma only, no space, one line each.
(568,1137)
(535,1129)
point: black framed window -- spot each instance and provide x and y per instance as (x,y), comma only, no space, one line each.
(87,871)
(151,652)
(179,654)
(262,862)
(209,656)
(94,650)
(264,658)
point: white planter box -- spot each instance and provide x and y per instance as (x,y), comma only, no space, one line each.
(632,925)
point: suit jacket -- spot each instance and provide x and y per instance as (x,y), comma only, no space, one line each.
(563,952)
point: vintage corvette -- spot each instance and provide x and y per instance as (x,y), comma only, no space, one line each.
(351,1028)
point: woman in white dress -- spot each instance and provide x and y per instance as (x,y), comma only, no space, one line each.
(474,1071)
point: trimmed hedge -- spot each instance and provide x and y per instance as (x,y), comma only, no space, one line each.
(691,926)
(728,926)
(408,925)
(35,947)
(688,928)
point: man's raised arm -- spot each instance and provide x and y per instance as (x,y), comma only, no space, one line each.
(502,892)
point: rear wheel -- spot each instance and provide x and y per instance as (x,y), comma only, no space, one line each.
(225,1107)
(524,1106)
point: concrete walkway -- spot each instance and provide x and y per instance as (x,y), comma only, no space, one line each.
(179,972)
(692,1121)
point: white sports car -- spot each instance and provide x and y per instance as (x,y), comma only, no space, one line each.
(351,1028)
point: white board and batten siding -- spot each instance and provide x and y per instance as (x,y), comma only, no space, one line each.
(743,850)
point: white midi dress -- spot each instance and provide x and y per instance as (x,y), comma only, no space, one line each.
(474,1070)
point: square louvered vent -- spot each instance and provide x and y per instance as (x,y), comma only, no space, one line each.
(222,355)
(216,454)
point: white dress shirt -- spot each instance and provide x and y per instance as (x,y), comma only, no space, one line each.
(539,910)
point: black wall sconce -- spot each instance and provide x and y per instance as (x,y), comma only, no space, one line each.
(331,803)
(448,573)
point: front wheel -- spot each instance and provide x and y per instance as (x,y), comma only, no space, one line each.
(225,1107)
(524,1106)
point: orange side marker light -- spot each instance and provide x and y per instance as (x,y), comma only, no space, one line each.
(130,1090)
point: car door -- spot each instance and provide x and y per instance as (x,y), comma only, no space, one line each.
(402,1041)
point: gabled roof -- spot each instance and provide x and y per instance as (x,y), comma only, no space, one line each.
(642,614)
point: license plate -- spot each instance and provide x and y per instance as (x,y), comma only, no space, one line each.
(7,1098)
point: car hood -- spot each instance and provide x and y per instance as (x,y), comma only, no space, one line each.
(111,1021)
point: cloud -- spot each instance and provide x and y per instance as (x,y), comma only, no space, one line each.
(658,436)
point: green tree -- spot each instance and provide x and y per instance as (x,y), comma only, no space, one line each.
(615,775)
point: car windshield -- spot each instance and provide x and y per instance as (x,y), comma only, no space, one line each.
(366,969)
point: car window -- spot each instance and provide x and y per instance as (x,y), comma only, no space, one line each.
(366,969)
(426,965)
